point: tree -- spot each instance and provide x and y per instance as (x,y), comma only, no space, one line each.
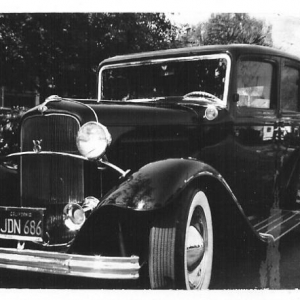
(58,53)
(227,28)
(236,28)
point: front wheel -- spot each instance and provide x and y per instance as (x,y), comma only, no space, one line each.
(181,245)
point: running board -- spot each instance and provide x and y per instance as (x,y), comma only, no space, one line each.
(277,224)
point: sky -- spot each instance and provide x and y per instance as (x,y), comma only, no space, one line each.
(286,32)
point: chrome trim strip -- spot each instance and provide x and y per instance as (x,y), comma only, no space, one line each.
(264,222)
(70,264)
(119,170)
(84,104)
(160,60)
(279,224)
(287,231)
(267,237)
(106,163)
(22,208)
(275,221)
(46,153)
(20,238)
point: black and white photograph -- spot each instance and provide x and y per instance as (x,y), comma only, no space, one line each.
(152,148)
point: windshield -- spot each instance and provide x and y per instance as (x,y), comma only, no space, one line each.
(165,78)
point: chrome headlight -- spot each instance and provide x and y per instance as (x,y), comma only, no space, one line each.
(92,140)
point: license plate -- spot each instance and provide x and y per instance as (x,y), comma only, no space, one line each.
(23,224)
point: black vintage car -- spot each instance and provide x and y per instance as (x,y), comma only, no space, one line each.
(187,159)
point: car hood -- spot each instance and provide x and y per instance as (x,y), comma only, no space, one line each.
(121,113)
(141,132)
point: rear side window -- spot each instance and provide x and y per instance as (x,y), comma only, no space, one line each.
(289,89)
(254,84)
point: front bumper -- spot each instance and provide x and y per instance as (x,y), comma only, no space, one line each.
(70,264)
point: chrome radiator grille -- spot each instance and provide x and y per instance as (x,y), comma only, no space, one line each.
(49,179)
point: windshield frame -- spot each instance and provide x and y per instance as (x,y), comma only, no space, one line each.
(162,60)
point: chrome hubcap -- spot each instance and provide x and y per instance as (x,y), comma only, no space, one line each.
(196,249)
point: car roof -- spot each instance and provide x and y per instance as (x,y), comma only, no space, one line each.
(234,49)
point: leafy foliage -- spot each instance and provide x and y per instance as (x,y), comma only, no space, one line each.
(9,129)
(226,28)
(236,28)
(59,53)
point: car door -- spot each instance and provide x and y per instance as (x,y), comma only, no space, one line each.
(288,133)
(254,127)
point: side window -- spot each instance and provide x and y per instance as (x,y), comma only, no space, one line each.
(289,88)
(254,83)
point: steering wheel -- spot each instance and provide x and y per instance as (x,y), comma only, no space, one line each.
(201,94)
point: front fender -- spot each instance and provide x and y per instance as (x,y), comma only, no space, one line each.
(156,184)
(152,188)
